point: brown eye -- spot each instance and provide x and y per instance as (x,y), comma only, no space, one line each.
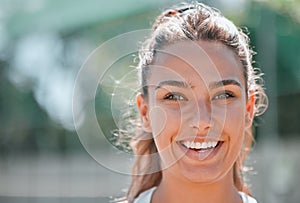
(175,97)
(224,96)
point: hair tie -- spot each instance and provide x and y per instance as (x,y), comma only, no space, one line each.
(172,13)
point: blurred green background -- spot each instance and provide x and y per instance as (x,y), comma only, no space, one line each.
(43,44)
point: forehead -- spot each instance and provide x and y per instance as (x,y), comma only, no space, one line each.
(203,60)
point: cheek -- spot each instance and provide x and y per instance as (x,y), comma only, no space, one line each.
(158,120)
(235,118)
(165,124)
(232,114)
(226,118)
(235,125)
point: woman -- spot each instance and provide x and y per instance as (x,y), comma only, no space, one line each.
(199,96)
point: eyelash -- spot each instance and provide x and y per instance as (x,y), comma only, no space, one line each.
(178,97)
(224,95)
(175,97)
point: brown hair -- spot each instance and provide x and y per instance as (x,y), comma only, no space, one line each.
(192,21)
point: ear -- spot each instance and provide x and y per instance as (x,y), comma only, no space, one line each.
(250,111)
(144,112)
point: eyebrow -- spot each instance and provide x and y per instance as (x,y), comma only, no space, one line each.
(172,83)
(224,83)
(183,84)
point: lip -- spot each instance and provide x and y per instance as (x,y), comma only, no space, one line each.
(201,155)
(201,139)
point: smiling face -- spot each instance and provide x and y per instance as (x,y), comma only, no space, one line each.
(197,109)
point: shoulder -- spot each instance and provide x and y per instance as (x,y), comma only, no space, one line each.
(119,200)
(145,197)
(246,198)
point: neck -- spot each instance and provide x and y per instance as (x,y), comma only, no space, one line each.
(174,189)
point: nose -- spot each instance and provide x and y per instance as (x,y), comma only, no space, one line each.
(202,119)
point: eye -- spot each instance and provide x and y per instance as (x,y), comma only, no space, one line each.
(175,97)
(223,96)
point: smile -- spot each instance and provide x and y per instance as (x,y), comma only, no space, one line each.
(201,150)
(199,145)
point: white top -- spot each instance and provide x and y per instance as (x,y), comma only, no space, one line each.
(145,197)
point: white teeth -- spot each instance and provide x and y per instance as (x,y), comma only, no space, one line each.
(199,145)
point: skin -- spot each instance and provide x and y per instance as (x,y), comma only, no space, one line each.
(187,101)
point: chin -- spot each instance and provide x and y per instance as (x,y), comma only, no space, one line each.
(204,176)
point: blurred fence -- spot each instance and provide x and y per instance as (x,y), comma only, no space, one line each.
(43,44)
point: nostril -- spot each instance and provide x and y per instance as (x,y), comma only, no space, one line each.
(202,125)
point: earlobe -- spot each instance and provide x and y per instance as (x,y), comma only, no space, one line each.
(250,111)
(144,112)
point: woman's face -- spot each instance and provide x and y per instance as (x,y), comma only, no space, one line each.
(197,109)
